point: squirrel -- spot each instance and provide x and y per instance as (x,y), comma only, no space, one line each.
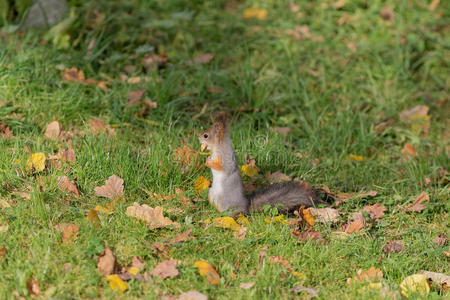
(227,191)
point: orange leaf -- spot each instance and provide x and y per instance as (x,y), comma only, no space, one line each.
(206,270)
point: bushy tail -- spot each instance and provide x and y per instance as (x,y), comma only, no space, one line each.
(287,197)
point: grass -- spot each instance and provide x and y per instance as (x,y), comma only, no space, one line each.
(331,97)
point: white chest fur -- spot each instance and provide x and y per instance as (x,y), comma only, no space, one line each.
(218,182)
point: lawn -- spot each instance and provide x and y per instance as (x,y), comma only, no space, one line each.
(349,95)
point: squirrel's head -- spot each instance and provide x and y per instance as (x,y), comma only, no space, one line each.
(213,136)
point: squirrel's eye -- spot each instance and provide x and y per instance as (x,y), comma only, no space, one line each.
(205,135)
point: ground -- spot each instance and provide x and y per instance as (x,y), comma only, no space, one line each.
(338,74)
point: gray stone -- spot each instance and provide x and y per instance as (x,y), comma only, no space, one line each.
(45,13)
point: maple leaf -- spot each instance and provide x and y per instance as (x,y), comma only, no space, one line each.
(52,130)
(36,162)
(357,224)
(112,189)
(192,295)
(255,13)
(74,75)
(116,283)
(420,203)
(68,186)
(154,217)
(325,215)
(106,262)
(306,216)
(416,283)
(375,211)
(206,270)
(201,183)
(69,232)
(166,269)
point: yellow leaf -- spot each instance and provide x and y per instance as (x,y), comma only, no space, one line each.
(201,183)
(298,275)
(416,283)
(103,209)
(93,218)
(241,219)
(278,219)
(248,171)
(116,283)
(226,222)
(306,215)
(357,157)
(206,270)
(206,221)
(253,12)
(133,270)
(36,162)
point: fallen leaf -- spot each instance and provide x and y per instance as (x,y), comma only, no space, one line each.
(92,217)
(4,204)
(371,275)
(357,224)
(408,152)
(307,235)
(66,185)
(375,211)
(186,156)
(134,97)
(52,130)
(133,270)
(99,125)
(36,162)
(182,237)
(279,259)
(206,270)
(416,283)
(106,262)
(165,269)
(192,295)
(284,131)
(247,285)
(277,177)
(137,262)
(241,233)
(242,220)
(201,183)
(357,157)
(255,13)
(5,132)
(393,247)
(442,280)
(440,240)
(117,284)
(249,171)
(433,4)
(202,58)
(154,217)
(33,287)
(150,104)
(420,203)
(73,74)
(226,222)
(344,197)
(133,80)
(4,228)
(417,117)
(215,89)
(68,155)
(311,292)
(339,4)
(325,215)
(387,14)
(161,250)
(112,189)
(306,216)
(70,233)
(3,252)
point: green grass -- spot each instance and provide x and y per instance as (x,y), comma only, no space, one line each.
(331,97)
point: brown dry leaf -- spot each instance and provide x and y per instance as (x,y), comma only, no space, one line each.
(165,269)
(70,233)
(106,262)
(307,235)
(5,132)
(284,131)
(344,197)
(325,215)
(52,130)
(92,217)
(375,211)
(339,4)
(311,292)
(133,80)
(66,185)
(206,270)
(154,217)
(150,104)
(134,97)
(182,237)
(192,295)
(357,224)
(370,275)
(279,259)
(247,285)
(99,125)
(185,156)
(215,89)
(202,58)
(137,262)
(306,216)
(438,278)
(440,240)
(408,152)
(241,233)
(33,287)
(73,74)
(3,252)
(393,247)
(420,203)
(161,250)
(387,13)
(277,177)
(68,155)
(433,4)
(112,189)
(418,118)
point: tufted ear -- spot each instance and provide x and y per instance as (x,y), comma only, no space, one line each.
(220,125)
